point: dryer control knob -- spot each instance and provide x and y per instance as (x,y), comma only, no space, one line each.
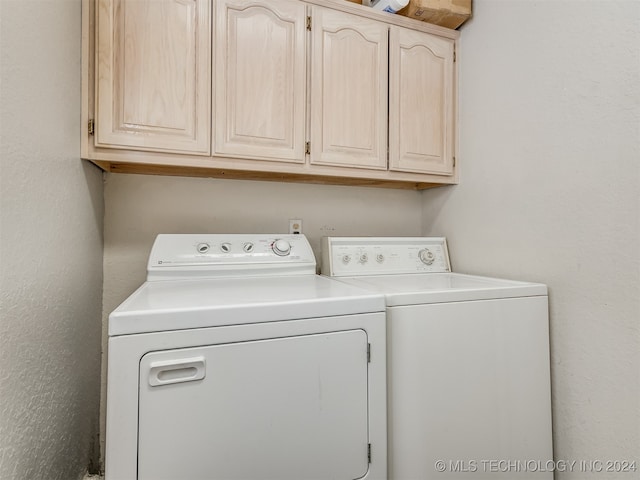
(248,247)
(225,247)
(426,256)
(203,247)
(281,248)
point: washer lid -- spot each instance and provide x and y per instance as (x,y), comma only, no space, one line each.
(183,304)
(416,289)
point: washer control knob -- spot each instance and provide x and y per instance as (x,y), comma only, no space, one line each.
(248,247)
(346,259)
(380,258)
(203,247)
(364,258)
(225,247)
(282,248)
(426,256)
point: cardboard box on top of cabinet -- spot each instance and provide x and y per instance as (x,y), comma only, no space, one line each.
(355,1)
(446,13)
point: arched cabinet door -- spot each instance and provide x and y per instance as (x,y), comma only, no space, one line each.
(260,79)
(348,90)
(154,75)
(421,102)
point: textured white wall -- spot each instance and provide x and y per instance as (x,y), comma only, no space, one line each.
(139,207)
(550,192)
(51,211)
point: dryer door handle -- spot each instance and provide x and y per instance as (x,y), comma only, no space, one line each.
(167,372)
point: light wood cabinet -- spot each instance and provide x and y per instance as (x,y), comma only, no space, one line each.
(321,91)
(348,90)
(154,75)
(421,102)
(260,79)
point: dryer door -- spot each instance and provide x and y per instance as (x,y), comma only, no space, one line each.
(283,408)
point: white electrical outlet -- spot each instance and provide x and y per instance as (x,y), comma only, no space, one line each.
(295,226)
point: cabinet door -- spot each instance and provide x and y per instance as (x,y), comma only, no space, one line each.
(348,90)
(260,79)
(154,75)
(421,102)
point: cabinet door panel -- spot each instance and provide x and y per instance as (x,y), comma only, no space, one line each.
(348,90)
(260,79)
(421,106)
(153,75)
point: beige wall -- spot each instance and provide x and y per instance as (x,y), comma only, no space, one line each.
(51,211)
(138,207)
(550,192)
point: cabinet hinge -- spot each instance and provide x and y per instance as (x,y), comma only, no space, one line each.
(368,353)
(369,453)
(307,150)
(454,161)
(309,22)
(90,126)
(454,54)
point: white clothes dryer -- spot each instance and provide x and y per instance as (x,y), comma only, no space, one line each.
(234,360)
(468,372)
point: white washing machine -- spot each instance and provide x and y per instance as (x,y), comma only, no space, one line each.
(234,360)
(468,362)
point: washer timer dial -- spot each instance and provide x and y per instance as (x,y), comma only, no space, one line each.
(426,256)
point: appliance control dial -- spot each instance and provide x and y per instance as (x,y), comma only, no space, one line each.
(225,247)
(248,247)
(346,259)
(426,256)
(203,247)
(364,258)
(380,258)
(282,248)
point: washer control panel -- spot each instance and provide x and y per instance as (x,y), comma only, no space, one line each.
(211,255)
(352,256)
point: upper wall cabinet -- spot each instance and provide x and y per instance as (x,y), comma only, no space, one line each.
(153,75)
(260,79)
(421,102)
(348,90)
(323,91)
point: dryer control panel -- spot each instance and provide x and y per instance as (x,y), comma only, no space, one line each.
(353,256)
(212,255)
